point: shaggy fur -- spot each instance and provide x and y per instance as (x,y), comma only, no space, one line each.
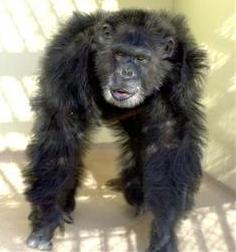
(161,130)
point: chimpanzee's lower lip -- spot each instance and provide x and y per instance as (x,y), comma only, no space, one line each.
(121,95)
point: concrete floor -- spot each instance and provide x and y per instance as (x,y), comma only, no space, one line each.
(104,222)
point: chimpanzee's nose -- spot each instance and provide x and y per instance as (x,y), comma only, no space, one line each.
(127,72)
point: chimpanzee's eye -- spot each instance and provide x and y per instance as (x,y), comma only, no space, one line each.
(120,54)
(141,59)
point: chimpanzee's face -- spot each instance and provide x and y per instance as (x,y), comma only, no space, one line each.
(131,64)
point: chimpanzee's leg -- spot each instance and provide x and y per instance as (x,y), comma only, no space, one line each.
(66,196)
(171,176)
(53,173)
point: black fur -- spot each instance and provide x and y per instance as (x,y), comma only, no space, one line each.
(161,137)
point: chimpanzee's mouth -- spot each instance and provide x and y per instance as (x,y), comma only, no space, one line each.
(124,97)
(121,94)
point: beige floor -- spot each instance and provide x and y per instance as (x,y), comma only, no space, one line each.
(103,221)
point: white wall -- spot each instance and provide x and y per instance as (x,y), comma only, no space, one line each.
(154,4)
(214,25)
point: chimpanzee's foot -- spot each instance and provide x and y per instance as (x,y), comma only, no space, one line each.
(141,209)
(132,190)
(44,225)
(68,218)
(40,239)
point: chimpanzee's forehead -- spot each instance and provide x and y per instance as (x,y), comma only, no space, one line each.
(133,35)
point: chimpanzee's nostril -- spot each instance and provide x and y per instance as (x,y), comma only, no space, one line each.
(126,72)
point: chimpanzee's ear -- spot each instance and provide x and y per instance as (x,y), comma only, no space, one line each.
(168,47)
(104,32)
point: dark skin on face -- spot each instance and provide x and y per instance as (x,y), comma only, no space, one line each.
(131,63)
(135,64)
